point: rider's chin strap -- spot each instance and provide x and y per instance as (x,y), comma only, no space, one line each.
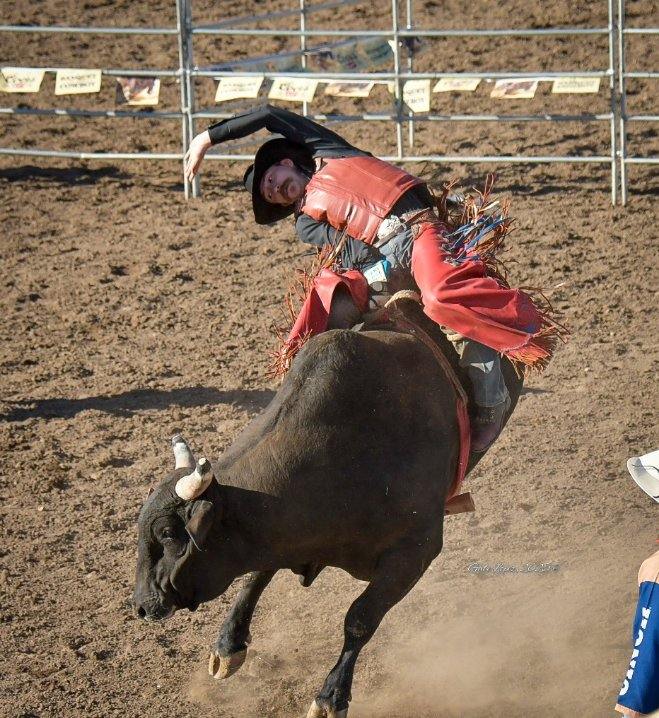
(455,503)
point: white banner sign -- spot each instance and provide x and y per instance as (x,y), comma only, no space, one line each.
(576,85)
(456,84)
(77,82)
(20,79)
(416,95)
(514,89)
(295,89)
(234,88)
(349,89)
(141,91)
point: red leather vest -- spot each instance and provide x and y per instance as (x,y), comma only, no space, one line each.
(355,194)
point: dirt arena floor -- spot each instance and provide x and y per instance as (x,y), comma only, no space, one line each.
(130,314)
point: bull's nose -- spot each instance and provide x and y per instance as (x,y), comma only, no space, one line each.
(141,613)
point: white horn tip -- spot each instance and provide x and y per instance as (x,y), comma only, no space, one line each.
(183,457)
(194,484)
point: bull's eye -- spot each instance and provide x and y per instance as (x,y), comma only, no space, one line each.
(168,534)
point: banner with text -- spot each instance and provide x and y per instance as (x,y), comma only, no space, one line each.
(77,82)
(20,79)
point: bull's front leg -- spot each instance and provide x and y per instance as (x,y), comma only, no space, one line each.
(397,572)
(229,652)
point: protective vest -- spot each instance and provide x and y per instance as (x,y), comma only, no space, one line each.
(355,194)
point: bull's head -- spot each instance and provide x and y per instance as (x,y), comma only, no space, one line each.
(178,521)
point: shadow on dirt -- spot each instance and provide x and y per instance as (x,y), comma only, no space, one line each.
(128,403)
(62,175)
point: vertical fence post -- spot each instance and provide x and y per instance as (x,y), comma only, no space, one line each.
(622,101)
(613,104)
(185,138)
(398,91)
(303,46)
(410,69)
(189,63)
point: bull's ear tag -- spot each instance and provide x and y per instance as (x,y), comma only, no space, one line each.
(200,522)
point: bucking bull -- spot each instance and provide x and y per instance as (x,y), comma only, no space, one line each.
(348,466)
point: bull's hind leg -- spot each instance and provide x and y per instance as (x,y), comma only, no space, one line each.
(229,652)
(397,572)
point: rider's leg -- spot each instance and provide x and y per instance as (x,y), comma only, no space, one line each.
(462,295)
(491,396)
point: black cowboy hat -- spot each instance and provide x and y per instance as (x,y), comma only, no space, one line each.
(269,154)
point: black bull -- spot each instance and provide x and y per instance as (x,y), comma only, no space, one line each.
(348,466)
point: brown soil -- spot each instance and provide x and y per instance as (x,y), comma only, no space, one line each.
(130,314)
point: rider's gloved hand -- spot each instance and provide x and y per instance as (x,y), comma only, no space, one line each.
(195,154)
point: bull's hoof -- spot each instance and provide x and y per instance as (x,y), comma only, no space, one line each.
(318,711)
(221,667)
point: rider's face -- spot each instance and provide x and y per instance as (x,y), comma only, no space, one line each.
(283,183)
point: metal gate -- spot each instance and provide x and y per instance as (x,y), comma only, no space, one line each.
(400,29)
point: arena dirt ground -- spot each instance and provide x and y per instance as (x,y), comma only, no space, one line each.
(130,314)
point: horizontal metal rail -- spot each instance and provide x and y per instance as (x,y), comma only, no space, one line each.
(115,72)
(139,112)
(91,30)
(401,33)
(521,159)
(94,155)
(375,117)
(364,76)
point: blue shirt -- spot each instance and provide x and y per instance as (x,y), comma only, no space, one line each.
(640,687)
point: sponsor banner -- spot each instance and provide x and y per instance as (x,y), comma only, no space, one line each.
(576,85)
(20,79)
(294,89)
(416,95)
(514,89)
(77,82)
(234,88)
(456,84)
(140,91)
(349,89)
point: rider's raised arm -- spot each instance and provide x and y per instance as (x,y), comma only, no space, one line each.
(321,141)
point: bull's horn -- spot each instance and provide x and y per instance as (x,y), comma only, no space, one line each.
(194,484)
(182,455)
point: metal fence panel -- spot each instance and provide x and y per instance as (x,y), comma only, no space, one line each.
(185,32)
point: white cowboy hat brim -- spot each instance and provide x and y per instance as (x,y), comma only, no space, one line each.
(645,472)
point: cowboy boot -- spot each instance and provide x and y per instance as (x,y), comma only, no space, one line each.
(486,425)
